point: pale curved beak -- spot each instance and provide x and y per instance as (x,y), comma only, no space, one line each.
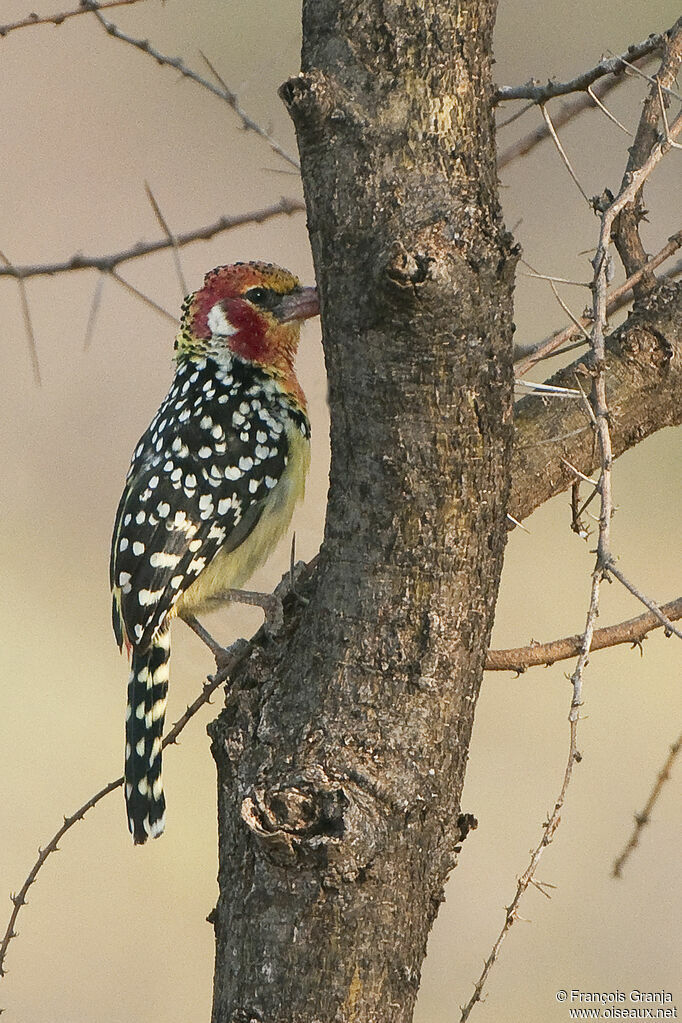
(299,305)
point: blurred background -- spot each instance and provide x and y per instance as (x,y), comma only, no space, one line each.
(114,933)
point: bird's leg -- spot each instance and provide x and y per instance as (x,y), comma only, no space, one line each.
(222,654)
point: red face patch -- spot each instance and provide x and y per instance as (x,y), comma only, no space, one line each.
(247,331)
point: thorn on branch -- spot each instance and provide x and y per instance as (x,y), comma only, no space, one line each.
(109,262)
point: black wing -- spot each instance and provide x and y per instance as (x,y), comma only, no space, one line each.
(198,482)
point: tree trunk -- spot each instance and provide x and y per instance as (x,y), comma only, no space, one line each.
(342,748)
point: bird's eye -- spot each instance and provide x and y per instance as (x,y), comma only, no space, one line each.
(257,296)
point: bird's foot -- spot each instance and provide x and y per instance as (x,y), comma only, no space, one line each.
(270,603)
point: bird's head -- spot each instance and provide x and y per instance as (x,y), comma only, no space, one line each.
(253,310)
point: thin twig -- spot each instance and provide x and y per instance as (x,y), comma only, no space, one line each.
(567,111)
(561,392)
(239,652)
(106,263)
(28,325)
(176,62)
(57,19)
(143,298)
(575,319)
(578,474)
(644,816)
(550,345)
(552,823)
(653,81)
(608,113)
(632,631)
(614,65)
(550,826)
(562,153)
(626,229)
(557,280)
(577,524)
(600,414)
(171,238)
(514,117)
(94,309)
(586,503)
(664,113)
(658,612)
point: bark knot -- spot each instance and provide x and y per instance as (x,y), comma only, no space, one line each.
(309,100)
(407,269)
(298,820)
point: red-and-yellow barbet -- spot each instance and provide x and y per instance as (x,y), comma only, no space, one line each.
(211,489)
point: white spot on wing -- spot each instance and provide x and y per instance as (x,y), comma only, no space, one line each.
(161,559)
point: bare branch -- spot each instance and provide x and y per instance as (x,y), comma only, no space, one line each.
(566,111)
(612,66)
(94,309)
(549,828)
(644,368)
(143,298)
(625,230)
(604,559)
(529,357)
(171,238)
(608,113)
(562,153)
(655,610)
(28,325)
(57,19)
(632,631)
(106,263)
(644,816)
(239,651)
(176,62)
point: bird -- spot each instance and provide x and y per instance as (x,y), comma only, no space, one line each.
(211,488)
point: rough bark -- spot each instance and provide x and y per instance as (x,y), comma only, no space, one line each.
(644,387)
(341,751)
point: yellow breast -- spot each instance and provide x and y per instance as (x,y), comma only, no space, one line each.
(230,570)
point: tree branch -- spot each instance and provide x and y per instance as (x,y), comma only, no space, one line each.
(58,19)
(644,379)
(612,66)
(655,610)
(625,231)
(615,299)
(633,631)
(106,263)
(222,92)
(565,112)
(644,816)
(599,413)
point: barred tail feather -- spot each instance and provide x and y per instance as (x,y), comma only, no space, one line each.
(147,689)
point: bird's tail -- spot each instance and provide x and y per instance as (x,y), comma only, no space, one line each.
(147,689)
